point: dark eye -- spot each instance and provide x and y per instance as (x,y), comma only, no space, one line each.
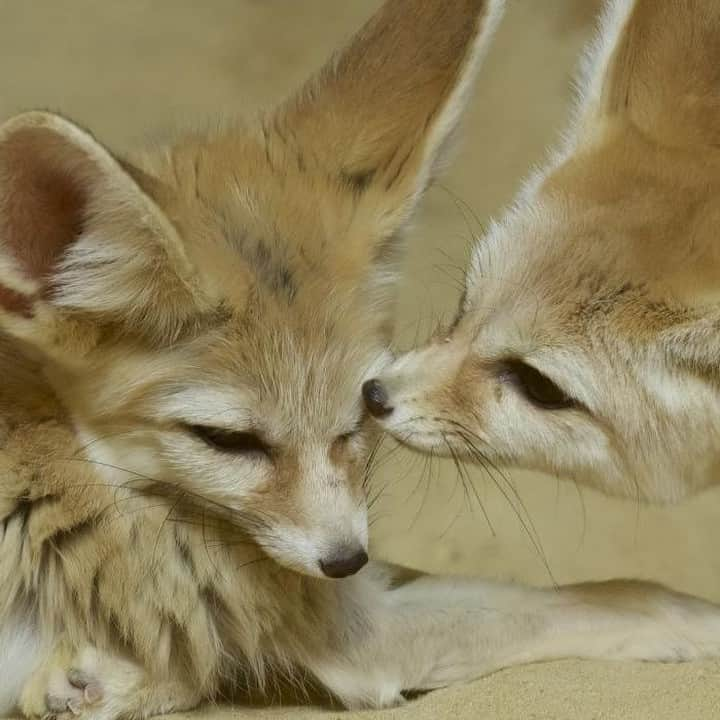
(536,387)
(231,441)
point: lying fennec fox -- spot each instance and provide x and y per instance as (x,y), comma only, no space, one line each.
(185,339)
(588,339)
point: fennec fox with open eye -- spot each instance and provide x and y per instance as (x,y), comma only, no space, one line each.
(587,343)
(184,340)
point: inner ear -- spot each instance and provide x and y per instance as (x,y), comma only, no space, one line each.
(43,204)
(79,233)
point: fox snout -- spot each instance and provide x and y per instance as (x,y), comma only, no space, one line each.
(320,550)
(411,383)
(416,397)
(321,528)
(347,562)
(377,400)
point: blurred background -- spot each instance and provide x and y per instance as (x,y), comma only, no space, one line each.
(130,69)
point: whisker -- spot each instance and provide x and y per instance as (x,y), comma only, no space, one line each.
(471,438)
(153,481)
(458,464)
(428,482)
(459,477)
(581,500)
(465,209)
(528,526)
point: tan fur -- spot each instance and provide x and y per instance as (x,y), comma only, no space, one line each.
(604,276)
(241,280)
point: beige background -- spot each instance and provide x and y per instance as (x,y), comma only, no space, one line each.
(126,69)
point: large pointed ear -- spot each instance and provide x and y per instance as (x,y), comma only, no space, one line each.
(379,116)
(655,65)
(80,239)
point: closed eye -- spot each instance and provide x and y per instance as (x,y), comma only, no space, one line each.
(537,388)
(231,441)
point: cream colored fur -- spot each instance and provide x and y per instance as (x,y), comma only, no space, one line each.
(603,276)
(184,338)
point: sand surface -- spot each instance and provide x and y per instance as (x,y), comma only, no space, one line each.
(128,68)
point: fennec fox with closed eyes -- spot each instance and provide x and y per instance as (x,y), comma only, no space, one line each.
(182,505)
(587,343)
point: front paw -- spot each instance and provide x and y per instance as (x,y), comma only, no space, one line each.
(72,694)
(89,685)
(92,685)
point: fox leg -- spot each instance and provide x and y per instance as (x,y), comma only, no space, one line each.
(431,632)
(99,686)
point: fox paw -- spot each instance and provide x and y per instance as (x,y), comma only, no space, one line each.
(73,694)
(91,685)
(78,690)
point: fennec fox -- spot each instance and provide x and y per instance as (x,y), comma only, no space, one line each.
(587,342)
(183,444)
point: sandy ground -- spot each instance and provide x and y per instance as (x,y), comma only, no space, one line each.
(126,68)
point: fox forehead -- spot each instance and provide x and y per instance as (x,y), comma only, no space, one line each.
(593,249)
(312,369)
(272,235)
(259,218)
(253,371)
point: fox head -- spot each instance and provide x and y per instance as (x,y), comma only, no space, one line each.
(208,311)
(587,342)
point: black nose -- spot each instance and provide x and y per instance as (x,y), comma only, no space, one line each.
(344,565)
(376,398)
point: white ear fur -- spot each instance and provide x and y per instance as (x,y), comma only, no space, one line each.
(595,63)
(78,234)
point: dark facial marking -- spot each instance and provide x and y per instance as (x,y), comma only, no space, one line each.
(267,266)
(358,182)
